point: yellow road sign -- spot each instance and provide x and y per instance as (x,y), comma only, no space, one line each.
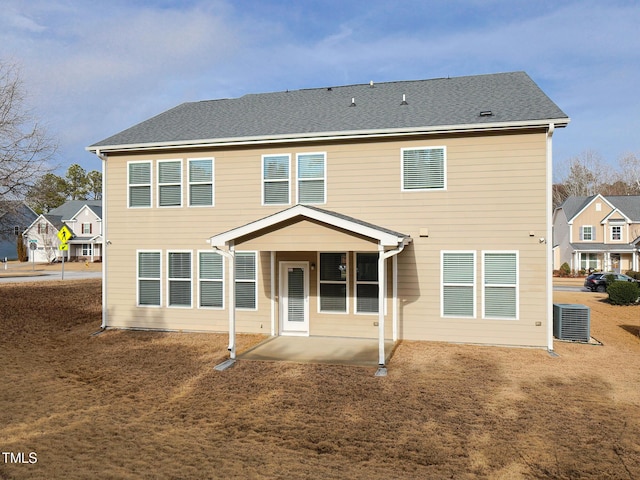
(63,246)
(64,234)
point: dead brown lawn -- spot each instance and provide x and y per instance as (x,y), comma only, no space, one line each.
(130,405)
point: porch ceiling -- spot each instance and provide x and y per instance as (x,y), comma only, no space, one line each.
(303,227)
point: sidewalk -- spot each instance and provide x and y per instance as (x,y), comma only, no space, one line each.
(15,269)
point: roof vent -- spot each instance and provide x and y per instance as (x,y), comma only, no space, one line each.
(329,89)
(371,84)
(353,102)
(404,100)
(486,113)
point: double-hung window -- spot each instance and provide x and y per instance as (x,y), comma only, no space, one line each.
(312,178)
(139,179)
(86,228)
(333,282)
(179,279)
(246,280)
(458,284)
(201,182)
(87,249)
(275,180)
(367,283)
(211,278)
(500,282)
(149,269)
(616,232)
(170,183)
(587,233)
(424,168)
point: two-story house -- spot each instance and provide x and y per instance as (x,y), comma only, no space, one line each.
(84,220)
(14,218)
(597,233)
(403,210)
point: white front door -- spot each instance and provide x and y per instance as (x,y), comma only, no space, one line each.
(294,298)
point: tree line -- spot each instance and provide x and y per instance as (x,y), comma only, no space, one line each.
(588,174)
(51,191)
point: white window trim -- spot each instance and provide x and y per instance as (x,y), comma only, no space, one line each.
(169,184)
(169,279)
(356,282)
(474,285)
(150,184)
(444,168)
(256,256)
(223,280)
(288,180)
(591,233)
(516,286)
(611,227)
(346,281)
(324,178)
(138,278)
(213,182)
(89,249)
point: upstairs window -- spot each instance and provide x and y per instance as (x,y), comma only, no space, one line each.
(500,285)
(616,232)
(201,182)
(170,183)
(86,228)
(139,184)
(312,178)
(43,228)
(587,233)
(275,180)
(423,168)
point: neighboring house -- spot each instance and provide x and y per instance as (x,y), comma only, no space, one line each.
(84,220)
(15,216)
(411,210)
(597,233)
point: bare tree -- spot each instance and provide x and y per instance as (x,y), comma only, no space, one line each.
(25,147)
(630,166)
(588,175)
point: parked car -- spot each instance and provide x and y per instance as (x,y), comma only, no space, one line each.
(597,282)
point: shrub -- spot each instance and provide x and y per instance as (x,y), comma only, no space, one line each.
(633,274)
(623,293)
(565,270)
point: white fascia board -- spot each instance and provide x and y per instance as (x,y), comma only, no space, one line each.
(598,196)
(615,210)
(384,238)
(337,135)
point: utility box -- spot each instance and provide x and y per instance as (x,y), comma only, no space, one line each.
(571,322)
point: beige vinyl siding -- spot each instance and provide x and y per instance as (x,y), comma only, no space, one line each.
(495,197)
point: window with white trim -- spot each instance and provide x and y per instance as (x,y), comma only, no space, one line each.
(179,279)
(201,182)
(367,283)
(311,178)
(275,179)
(458,284)
(616,232)
(424,168)
(169,183)
(588,261)
(87,249)
(332,283)
(86,229)
(500,282)
(246,271)
(587,233)
(149,287)
(139,184)
(211,280)
(16,231)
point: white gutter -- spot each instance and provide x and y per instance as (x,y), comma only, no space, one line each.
(548,243)
(382,281)
(337,135)
(230,255)
(105,242)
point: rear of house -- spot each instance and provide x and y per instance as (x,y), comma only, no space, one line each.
(405,210)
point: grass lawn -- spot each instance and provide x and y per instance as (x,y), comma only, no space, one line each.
(136,405)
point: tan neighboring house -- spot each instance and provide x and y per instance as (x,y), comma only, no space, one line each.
(414,210)
(597,233)
(82,217)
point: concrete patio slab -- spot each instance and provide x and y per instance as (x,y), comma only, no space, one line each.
(331,350)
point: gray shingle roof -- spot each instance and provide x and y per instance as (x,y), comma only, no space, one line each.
(510,97)
(627,204)
(70,208)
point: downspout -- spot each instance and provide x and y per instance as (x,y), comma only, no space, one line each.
(382,281)
(549,242)
(230,255)
(105,242)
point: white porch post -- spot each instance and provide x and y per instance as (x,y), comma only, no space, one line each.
(232,301)
(381,292)
(273,293)
(394,304)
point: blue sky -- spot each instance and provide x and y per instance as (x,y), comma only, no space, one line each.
(92,69)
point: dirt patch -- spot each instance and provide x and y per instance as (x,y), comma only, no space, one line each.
(149,405)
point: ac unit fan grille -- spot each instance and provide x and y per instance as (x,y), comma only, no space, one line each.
(571,322)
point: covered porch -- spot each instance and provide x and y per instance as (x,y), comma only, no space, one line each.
(326,275)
